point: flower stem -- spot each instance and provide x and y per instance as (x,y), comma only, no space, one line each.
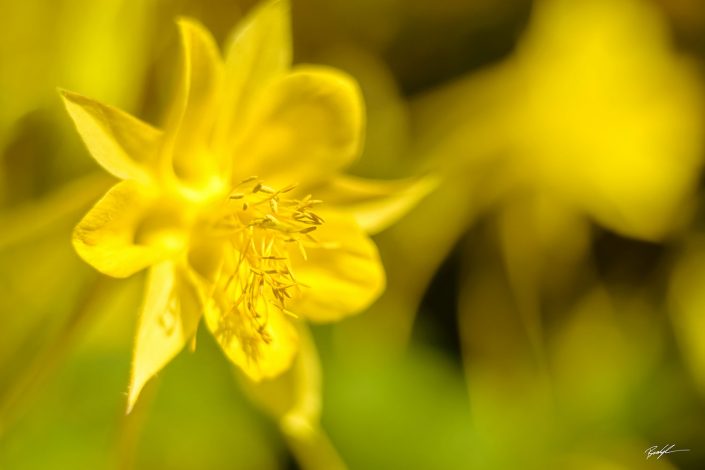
(313,450)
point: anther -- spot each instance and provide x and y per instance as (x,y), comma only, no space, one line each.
(248,180)
(272,219)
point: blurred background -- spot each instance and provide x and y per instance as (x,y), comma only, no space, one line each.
(545,304)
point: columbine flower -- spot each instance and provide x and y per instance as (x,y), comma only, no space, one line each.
(218,205)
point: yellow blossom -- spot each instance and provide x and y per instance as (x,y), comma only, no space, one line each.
(596,114)
(221,205)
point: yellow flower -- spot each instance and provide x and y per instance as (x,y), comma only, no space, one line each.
(596,114)
(218,205)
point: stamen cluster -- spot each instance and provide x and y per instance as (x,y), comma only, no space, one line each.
(263,225)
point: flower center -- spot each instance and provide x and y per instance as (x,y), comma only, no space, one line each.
(263,225)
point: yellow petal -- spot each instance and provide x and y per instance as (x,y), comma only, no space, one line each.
(192,118)
(259,51)
(294,396)
(120,143)
(374,204)
(169,318)
(343,273)
(127,230)
(244,346)
(294,400)
(307,125)
(615,130)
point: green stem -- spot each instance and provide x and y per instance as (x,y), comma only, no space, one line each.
(312,448)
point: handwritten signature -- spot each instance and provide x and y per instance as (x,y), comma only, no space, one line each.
(667,449)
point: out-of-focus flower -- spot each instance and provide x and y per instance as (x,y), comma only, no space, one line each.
(610,118)
(251,253)
(595,118)
(575,127)
(595,110)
